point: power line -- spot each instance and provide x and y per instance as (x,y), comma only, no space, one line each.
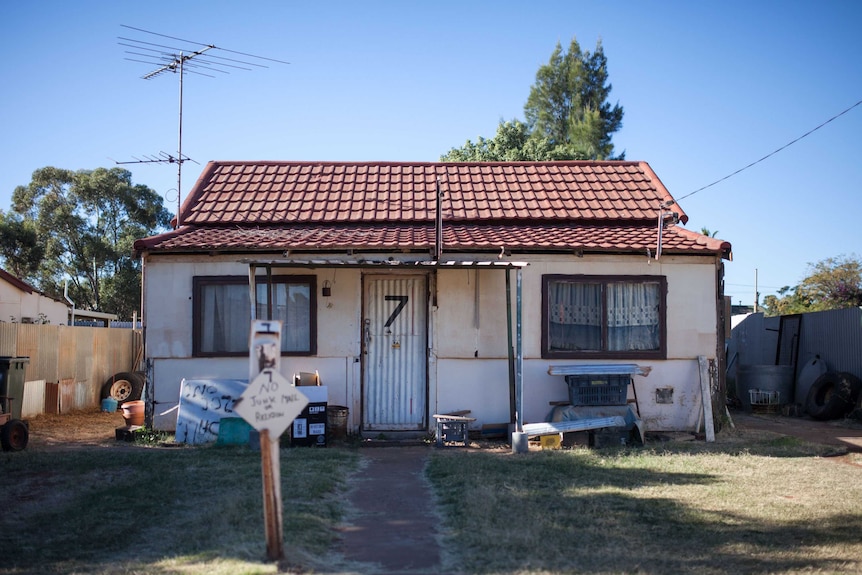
(809,132)
(752,285)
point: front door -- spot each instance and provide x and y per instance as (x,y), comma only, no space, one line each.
(394,329)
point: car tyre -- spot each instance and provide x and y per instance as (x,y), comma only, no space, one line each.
(124,386)
(832,395)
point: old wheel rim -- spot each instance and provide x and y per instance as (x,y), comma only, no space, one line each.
(121,389)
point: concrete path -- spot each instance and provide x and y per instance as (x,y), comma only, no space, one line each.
(393,525)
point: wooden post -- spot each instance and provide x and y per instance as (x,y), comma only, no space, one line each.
(272,508)
(706,398)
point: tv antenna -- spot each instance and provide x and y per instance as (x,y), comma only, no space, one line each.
(184,56)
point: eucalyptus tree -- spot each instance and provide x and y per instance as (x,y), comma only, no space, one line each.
(86,221)
(832,283)
(20,249)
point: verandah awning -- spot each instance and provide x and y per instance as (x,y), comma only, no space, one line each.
(516,357)
(387,263)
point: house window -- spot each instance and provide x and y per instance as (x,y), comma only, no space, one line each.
(604,317)
(222,314)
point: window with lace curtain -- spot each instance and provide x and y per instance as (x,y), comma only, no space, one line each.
(604,316)
(222,317)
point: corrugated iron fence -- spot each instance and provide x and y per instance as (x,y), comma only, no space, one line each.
(835,336)
(68,365)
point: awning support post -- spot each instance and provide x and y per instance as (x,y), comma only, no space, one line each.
(251,292)
(519,355)
(510,349)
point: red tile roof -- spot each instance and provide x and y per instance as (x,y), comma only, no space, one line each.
(290,192)
(529,206)
(456,237)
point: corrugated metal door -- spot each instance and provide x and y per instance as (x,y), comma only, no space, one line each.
(788,340)
(394,333)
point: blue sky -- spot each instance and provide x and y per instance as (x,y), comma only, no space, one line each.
(707,87)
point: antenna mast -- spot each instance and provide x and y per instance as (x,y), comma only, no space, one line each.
(175,61)
(178,63)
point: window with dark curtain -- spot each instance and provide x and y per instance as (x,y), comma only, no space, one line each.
(222,318)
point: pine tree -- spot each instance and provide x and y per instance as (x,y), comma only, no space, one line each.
(568,103)
(568,116)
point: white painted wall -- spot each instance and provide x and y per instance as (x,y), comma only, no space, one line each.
(472,367)
(168,321)
(16,304)
(468,356)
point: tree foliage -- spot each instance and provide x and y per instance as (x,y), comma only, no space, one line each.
(86,222)
(512,143)
(833,283)
(568,103)
(567,112)
(20,248)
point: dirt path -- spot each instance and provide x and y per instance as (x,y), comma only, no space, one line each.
(842,433)
(89,428)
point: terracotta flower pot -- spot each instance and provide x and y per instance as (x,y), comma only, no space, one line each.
(133,412)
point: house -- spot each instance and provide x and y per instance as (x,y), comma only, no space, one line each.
(416,289)
(22,303)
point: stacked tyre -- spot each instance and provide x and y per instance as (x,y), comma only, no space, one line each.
(833,395)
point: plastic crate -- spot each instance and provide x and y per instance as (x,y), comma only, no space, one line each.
(764,401)
(599,389)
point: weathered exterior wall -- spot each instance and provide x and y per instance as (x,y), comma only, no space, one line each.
(468,365)
(468,378)
(16,305)
(168,321)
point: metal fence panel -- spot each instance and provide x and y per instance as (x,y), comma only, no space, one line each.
(41,344)
(8,339)
(33,402)
(836,336)
(72,362)
(67,354)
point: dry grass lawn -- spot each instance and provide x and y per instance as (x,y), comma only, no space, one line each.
(77,501)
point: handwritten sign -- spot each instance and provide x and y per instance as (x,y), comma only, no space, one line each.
(270,402)
(203,402)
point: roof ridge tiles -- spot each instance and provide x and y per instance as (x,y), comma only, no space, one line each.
(627,164)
